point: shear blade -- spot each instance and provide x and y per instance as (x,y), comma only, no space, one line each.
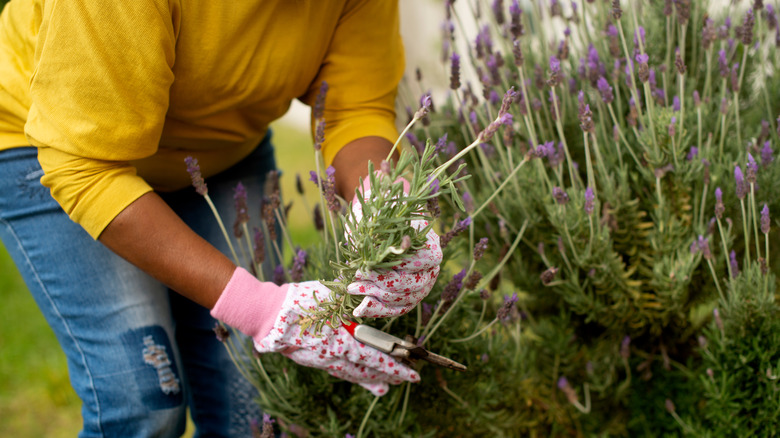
(421,353)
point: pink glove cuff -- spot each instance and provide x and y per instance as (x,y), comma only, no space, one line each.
(249,305)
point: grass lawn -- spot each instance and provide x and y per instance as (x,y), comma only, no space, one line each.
(36,399)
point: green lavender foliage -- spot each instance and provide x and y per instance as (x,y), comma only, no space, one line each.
(627,269)
(614,300)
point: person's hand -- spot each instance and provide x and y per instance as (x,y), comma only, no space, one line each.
(396,291)
(272,315)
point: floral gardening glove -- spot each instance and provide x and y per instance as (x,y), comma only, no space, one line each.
(333,349)
(396,291)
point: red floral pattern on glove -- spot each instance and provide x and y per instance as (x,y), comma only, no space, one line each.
(333,349)
(396,291)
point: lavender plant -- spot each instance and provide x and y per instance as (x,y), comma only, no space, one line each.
(613,272)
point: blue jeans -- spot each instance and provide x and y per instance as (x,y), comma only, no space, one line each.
(138,354)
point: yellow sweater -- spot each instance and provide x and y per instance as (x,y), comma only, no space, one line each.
(116,94)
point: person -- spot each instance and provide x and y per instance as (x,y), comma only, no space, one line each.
(100,103)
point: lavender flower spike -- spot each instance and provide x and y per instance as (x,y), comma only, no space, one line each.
(480,247)
(560,196)
(719,207)
(643,71)
(766,153)
(765,219)
(506,308)
(740,180)
(425,107)
(589,198)
(193,168)
(625,350)
(555,71)
(455,71)
(752,169)
(733,263)
(605,89)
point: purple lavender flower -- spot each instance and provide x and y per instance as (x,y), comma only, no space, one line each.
(678,62)
(268,428)
(641,34)
(586,119)
(594,62)
(735,77)
(441,143)
(468,202)
(765,219)
(676,103)
(616,11)
(319,134)
(752,169)
(517,53)
(279,277)
(740,180)
(692,152)
(708,34)
(319,222)
(719,207)
(498,11)
(452,288)
(669,405)
(445,238)
(299,262)
(704,247)
(771,17)
(259,250)
(509,97)
(503,312)
(672,125)
(625,349)
(724,106)
(605,90)
(193,168)
(589,198)
(696,99)
(222,333)
(319,103)
(480,247)
(723,65)
(455,71)
(560,196)
(747,28)
(555,71)
(642,70)
(548,275)
(563,384)
(425,107)
(313,177)
(733,263)
(242,215)
(718,320)
(516,25)
(329,190)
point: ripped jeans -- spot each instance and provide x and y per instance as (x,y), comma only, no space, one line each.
(138,354)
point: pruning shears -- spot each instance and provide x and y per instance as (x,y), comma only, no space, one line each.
(397,347)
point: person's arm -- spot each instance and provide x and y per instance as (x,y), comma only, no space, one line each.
(151,236)
(351,162)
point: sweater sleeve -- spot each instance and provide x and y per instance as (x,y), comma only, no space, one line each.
(364,63)
(99,95)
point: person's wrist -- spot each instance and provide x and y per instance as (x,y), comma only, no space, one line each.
(249,305)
